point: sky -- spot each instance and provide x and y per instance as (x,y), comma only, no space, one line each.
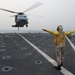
(54,12)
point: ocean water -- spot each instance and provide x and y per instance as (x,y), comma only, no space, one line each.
(22,31)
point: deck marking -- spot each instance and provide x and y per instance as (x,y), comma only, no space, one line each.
(52,61)
(72,45)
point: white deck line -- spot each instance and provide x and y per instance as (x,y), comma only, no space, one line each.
(52,61)
(72,45)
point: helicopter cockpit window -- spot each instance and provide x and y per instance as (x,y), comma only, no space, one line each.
(21,17)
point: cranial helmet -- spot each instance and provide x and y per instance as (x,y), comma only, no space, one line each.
(60,28)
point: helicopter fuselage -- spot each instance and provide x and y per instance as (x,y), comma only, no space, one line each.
(21,20)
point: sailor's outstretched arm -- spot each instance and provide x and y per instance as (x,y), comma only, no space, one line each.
(49,31)
(70,32)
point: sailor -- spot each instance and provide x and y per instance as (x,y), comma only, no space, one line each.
(60,44)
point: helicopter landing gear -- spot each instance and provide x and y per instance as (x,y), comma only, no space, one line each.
(13,25)
(18,28)
(26,25)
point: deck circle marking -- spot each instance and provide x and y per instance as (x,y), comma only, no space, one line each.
(6,57)
(6,68)
(29,53)
(38,62)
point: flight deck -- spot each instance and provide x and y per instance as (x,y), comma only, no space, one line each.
(33,54)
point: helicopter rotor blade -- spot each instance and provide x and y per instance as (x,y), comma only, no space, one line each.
(37,4)
(35,15)
(13,16)
(8,10)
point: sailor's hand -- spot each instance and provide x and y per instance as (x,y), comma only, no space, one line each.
(44,29)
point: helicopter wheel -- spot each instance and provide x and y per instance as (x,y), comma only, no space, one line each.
(26,25)
(18,28)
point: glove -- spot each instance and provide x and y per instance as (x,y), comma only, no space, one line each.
(44,29)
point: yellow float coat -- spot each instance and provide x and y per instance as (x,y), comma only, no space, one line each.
(60,36)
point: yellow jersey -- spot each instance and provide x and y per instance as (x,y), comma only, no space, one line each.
(60,36)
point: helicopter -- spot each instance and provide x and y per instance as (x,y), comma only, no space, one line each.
(20,18)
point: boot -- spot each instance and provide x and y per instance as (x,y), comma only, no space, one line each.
(61,64)
(58,67)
